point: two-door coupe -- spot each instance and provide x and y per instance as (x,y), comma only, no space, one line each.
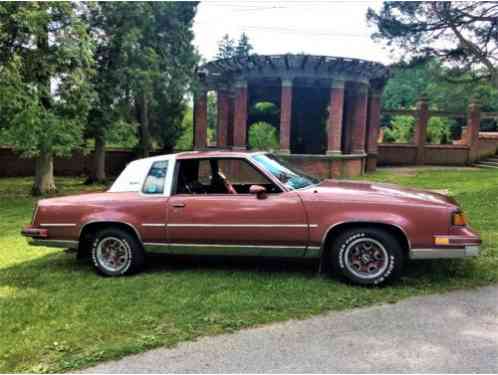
(242,203)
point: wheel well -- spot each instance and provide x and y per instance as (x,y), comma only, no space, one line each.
(86,235)
(392,229)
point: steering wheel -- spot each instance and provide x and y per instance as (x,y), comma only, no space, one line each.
(228,185)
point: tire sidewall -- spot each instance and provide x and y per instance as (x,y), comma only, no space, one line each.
(121,235)
(390,244)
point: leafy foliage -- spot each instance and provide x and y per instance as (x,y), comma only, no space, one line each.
(462,34)
(186,140)
(152,63)
(401,130)
(46,59)
(263,136)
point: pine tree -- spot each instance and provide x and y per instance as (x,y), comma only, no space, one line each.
(244,47)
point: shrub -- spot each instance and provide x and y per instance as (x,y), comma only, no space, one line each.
(400,130)
(263,136)
(439,131)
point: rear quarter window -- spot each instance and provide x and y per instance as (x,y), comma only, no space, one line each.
(155,179)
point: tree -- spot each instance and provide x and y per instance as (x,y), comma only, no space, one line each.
(46,61)
(226,47)
(148,63)
(461,34)
(244,47)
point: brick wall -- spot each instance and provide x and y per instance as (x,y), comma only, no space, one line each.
(12,165)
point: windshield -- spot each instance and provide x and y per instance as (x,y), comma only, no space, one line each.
(285,173)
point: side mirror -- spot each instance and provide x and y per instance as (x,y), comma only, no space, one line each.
(259,190)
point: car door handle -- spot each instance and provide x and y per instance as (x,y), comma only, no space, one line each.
(178,205)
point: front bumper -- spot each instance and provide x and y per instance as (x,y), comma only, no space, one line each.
(442,253)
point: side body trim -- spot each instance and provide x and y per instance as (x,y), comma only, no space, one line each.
(242,225)
(228,249)
(57,225)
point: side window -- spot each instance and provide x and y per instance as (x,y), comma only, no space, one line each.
(154,182)
(205,174)
(241,174)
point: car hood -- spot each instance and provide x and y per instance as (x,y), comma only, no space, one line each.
(380,192)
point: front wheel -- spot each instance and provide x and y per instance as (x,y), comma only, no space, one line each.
(367,256)
(116,252)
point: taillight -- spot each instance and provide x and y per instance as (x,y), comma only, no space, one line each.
(459,219)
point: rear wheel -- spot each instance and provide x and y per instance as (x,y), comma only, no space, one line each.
(116,252)
(367,256)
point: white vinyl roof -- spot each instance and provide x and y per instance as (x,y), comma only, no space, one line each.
(133,176)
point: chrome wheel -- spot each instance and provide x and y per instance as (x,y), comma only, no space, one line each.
(366,258)
(113,254)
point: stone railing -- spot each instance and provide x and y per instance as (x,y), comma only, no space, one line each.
(473,145)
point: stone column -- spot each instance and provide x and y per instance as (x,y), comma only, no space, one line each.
(472,134)
(223,118)
(334,121)
(200,120)
(285,115)
(360,119)
(240,117)
(373,125)
(421,129)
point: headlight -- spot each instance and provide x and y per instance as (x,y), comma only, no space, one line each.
(458,218)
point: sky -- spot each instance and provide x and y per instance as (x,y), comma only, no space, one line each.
(313,27)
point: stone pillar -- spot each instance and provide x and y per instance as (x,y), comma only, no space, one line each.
(472,134)
(373,125)
(420,134)
(231,105)
(223,118)
(240,117)
(334,121)
(285,115)
(200,120)
(360,119)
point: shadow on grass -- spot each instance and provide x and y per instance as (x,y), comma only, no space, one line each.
(416,273)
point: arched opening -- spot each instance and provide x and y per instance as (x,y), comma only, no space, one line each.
(309,118)
(263,130)
(212,118)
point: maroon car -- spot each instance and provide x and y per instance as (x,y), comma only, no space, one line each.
(241,203)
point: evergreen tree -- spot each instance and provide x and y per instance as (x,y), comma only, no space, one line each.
(244,47)
(226,47)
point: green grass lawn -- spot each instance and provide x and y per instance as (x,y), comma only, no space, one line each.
(56,315)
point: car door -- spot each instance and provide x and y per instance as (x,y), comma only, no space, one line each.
(239,224)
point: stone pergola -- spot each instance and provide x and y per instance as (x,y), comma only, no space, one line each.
(329,107)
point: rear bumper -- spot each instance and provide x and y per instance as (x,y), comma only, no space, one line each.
(38,237)
(442,253)
(64,244)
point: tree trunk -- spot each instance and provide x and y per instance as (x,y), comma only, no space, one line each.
(44,174)
(144,125)
(99,160)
